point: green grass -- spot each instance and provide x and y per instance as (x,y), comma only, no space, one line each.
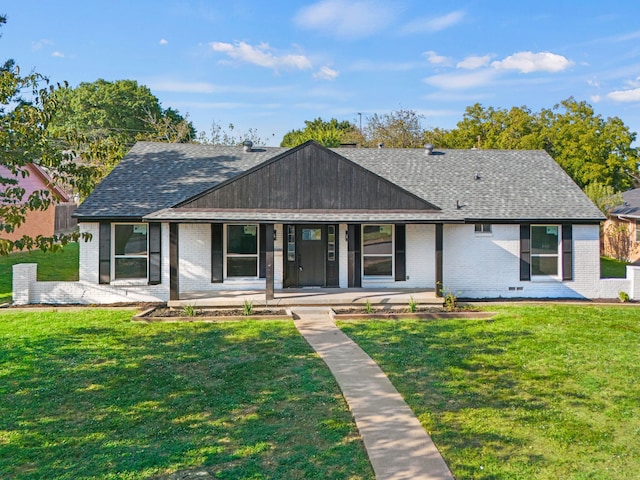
(86,394)
(61,265)
(612,268)
(537,393)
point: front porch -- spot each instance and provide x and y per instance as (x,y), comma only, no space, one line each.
(309,297)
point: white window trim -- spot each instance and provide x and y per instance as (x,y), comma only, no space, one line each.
(558,255)
(237,255)
(127,281)
(393,253)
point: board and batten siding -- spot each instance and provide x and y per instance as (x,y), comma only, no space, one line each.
(311,178)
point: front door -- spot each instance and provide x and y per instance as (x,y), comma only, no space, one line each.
(311,251)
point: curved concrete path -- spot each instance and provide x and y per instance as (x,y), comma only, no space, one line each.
(398,446)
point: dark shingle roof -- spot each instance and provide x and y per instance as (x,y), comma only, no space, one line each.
(631,205)
(498,185)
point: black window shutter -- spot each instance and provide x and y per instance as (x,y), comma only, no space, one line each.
(216,253)
(525,252)
(104,253)
(155,269)
(400,253)
(439,249)
(354,273)
(567,251)
(262,258)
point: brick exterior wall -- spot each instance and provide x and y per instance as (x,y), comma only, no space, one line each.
(474,266)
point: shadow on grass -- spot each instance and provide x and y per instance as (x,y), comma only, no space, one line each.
(243,400)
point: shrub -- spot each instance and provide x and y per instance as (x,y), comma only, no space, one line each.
(623,296)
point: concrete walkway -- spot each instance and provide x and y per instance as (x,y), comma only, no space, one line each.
(398,446)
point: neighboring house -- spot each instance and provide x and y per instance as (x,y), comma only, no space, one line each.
(620,233)
(175,220)
(54,220)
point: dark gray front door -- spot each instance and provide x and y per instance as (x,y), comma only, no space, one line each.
(311,251)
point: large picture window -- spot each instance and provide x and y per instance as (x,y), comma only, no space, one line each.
(242,250)
(130,251)
(545,244)
(377,250)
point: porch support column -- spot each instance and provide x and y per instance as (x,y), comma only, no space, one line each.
(439,243)
(269,232)
(174,279)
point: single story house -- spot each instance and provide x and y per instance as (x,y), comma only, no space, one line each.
(54,220)
(174,220)
(620,233)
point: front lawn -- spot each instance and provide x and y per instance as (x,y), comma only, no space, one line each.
(612,268)
(62,265)
(86,394)
(542,392)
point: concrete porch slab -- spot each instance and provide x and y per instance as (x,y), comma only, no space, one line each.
(308,296)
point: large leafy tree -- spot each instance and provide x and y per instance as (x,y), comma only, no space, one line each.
(591,149)
(331,133)
(101,120)
(397,129)
(27,104)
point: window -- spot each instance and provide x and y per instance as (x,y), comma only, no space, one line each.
(331,243)
(242,250)
(637,231)
(377,250)
(130,251)
(291,243)
(483,228)
(545,242)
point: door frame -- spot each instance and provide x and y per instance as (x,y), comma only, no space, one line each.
(291,268)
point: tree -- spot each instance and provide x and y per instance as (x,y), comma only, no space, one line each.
(220,136)
(27,104)
(589,148)
(332,133)
(398,129)
(101,120)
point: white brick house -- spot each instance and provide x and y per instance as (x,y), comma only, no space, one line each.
(175,219)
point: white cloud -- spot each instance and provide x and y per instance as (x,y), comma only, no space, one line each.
(461,81)
(434,24)
(326,73)
(163,41)
(625,95)
(57,54)
(261,55)
(436,59)
(527,62)
(177,86)
(369,66)
(473,62)
(346,19)
(593,83)
(39,44)
(595,98)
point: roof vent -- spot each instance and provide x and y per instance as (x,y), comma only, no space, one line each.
(380,145)
(247,144)
(428,148)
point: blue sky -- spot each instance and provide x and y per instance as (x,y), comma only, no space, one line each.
(271,65)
